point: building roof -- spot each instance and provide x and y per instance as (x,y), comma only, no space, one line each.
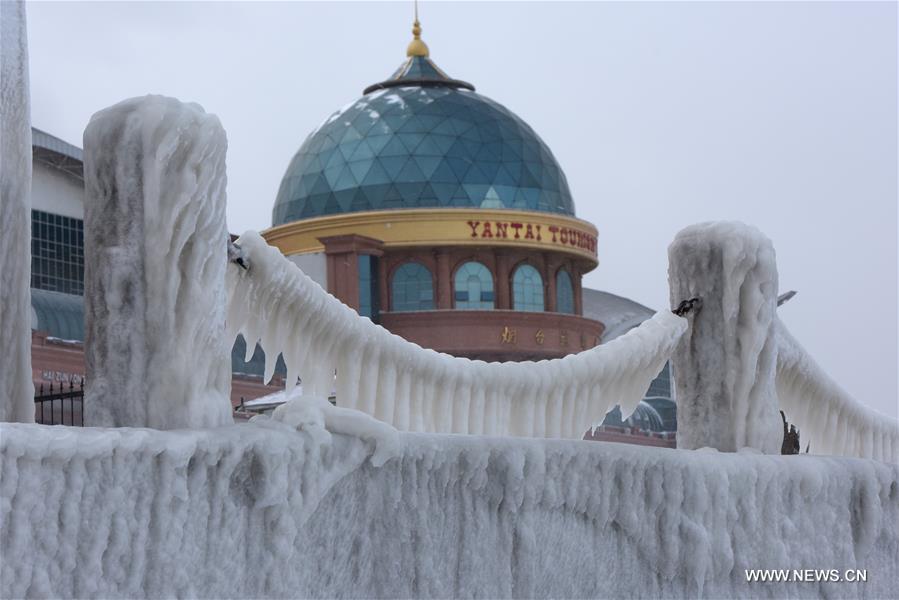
(644,417)
(421,139)
(419,71)
(617,313)
(53,152)
(59,315)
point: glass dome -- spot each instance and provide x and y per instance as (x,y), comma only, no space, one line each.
(421,139)
(644,417)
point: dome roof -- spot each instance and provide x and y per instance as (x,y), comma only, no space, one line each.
(644,417)
(421,139)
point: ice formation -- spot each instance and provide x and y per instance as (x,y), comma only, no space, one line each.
(724,366)
(263,510)
(317,415)
(155,258)
(16,389)
(415,389)
(829,419)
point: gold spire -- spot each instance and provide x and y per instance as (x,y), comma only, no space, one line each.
(416,46)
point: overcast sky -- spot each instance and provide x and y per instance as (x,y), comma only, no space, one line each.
(661,115)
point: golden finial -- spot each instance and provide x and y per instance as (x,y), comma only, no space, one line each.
(416,46)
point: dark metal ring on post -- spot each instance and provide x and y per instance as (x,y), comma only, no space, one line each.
(693,304)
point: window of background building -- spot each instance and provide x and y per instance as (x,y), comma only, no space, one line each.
(57,253)
(527,289)
(660,387)
(368,287)
(412,288)
(474,287)
(564,293)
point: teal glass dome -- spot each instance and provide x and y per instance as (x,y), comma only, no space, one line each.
(421,140)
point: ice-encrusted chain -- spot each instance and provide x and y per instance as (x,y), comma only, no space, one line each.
(686,306)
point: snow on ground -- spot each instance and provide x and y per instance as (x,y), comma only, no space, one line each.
(271,509)
(416,389)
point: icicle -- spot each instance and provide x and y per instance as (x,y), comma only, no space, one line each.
(422,390)
(828,417)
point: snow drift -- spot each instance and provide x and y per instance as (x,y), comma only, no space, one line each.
(275,509)
(416,389)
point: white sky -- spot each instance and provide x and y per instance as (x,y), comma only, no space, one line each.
(782,115)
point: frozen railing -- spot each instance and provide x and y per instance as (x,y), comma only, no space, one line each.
(737,364)
(416,389)
(829,419)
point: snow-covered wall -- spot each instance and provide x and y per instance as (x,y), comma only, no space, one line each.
(724,366)
(830,421)
(155,245)
(415,389)
(262,510)
(16,388)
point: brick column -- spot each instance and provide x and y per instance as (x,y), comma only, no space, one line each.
(444,282)
(383,286)
(503,283)
(341,253)
(578,290)
(549,283)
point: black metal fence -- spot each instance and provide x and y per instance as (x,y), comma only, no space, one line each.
(62,404)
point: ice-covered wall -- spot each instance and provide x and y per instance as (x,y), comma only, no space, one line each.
(724,366)
(261,510)
(415,389)
(830,421)
(155,258)
(16,389)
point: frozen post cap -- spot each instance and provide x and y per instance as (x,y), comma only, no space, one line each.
(155,258)
(724,366)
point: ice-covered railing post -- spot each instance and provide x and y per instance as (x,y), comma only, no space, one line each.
(724,365)
(155,258)
(16,389)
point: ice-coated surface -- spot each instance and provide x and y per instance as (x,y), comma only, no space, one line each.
(155,256)
(262,510)
(317,415)
(16,389)
(724,366)
(828,418)
(415,389)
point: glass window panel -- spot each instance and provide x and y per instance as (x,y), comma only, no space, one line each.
(412,288)
(527,289)
(474,287)
(564,293)
(57,253)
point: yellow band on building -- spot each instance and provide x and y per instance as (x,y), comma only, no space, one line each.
(443,226)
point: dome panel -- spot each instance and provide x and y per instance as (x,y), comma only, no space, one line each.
(421,140)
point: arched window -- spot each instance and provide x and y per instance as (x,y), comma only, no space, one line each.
(412,288)
(527,289)
(564,293)
(474,287)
